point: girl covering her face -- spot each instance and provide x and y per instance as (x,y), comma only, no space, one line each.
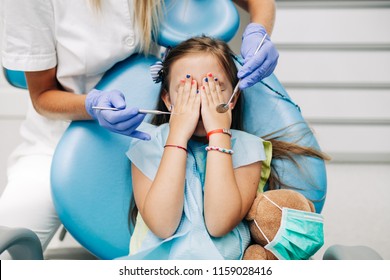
(194,182)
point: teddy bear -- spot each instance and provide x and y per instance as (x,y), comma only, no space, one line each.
(269,217)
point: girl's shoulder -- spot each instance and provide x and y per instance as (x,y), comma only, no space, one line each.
(158,135)
(146,155)
(249,148)
(245,140)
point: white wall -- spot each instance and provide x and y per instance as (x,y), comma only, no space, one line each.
(335,63)
(13,106)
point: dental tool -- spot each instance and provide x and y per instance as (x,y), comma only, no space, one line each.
(105,108)
(143,111)
(224,107)
(155,112)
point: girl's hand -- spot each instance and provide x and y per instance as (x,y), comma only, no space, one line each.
(212,96)
(185,113)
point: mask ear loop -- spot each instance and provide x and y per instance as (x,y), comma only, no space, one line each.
(272,202)
(257,225)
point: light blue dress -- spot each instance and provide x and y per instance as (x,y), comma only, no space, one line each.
(191,239)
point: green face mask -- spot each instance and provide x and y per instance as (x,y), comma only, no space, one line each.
(299,237)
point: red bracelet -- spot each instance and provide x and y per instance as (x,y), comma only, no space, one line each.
(221,130)
(176,146)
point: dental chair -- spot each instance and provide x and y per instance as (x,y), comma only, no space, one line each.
(91,178)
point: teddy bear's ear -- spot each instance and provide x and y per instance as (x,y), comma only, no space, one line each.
(253,210)
(312,208)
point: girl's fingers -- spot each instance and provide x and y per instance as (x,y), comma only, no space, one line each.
(193,93)
(213,91)
(187,88)
(181,86)
(211,83)
(197,100)
(219,92)
(203,96)
(205,84)
(179,97)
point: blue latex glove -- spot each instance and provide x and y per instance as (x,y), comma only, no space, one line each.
(125,121)
(259,66)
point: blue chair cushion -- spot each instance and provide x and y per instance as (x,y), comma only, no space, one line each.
(91,182)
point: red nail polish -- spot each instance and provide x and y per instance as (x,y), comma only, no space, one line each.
(209,74)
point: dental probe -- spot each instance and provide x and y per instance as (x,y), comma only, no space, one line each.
(223,107)
(143,111)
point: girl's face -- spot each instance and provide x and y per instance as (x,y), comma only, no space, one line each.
(198,66)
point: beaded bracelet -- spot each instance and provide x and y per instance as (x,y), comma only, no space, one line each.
(219,149)
(176,146)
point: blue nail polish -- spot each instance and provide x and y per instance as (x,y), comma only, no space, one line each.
(216,79)
(188,76)
(197,91)
(206,80)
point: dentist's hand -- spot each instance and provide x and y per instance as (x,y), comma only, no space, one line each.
(124,121)
(256,66)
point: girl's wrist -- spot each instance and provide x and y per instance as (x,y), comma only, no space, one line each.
(177,139)
(221,140)
(217,125)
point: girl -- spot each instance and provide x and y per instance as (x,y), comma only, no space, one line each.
(194,182)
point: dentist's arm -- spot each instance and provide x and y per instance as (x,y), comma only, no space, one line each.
(260,11)
(259,66)
(52,101)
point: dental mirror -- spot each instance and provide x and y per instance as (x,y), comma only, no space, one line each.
(224,107)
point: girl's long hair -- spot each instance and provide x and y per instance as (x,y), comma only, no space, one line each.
(147,16)
(221,51)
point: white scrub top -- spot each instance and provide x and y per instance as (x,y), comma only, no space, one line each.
(68,34)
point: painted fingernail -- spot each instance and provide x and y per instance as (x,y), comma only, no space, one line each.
(197,91)
(203,87)
(193,82)
(182,81)
(209,74)
(216,79)
(206,80)
(188,76)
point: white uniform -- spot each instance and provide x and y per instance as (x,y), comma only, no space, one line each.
(83,44)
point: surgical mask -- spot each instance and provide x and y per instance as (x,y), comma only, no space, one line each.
(300,234)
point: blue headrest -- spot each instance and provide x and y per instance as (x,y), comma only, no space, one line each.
(91,180)
(185,19)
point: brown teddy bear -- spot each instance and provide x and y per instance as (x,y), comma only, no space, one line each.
(268,217)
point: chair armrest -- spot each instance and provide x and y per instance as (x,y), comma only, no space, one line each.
(21,243)
(342,252)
